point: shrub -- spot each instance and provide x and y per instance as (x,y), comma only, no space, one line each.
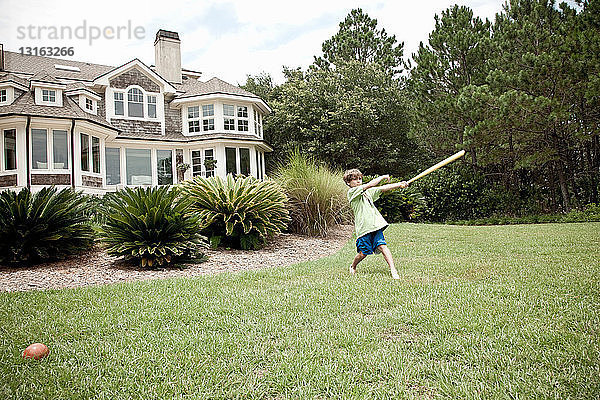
(399,205)
(43,226)
(317,195)
(151,226)
(241,212)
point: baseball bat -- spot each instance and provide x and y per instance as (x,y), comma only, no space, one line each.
(439,165)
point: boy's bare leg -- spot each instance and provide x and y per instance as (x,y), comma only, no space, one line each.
(359,257)
(387,254)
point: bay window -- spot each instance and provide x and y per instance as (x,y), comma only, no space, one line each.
(194,119)
(10,149)
(245,161)
(90,153)
(138,166)
(85,152)
(39,148)
(242,118)
(164,164)
(229,120)
(95,155)
(113,166)
(230,160)
(232,155)
(208,124)
(60,150)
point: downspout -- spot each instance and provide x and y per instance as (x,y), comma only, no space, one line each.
(27,152)
(73,153)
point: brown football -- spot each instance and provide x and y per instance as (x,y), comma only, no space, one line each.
(36,351)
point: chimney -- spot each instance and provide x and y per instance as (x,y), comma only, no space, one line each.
(1,57)
(167,55)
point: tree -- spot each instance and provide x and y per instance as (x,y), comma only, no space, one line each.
(359,40)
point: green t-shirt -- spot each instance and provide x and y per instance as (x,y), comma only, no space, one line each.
(367,218)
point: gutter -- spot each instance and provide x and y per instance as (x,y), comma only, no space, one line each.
(73,153)
(27,152)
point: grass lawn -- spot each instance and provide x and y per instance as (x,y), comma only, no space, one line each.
(480,312)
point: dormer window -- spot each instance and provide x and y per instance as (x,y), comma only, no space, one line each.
(49,96)
(135,103)
(89,105)
(3,95)
(151,106)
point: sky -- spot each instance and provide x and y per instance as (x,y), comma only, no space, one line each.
(226,39)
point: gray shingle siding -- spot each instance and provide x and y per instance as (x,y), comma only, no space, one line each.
(134,77)
(136,128)
(172,120)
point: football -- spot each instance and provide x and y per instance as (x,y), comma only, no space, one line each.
(36,351)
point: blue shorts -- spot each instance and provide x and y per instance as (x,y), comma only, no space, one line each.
(367,244)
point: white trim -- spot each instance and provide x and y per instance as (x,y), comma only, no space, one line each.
(104,80)
(222,96)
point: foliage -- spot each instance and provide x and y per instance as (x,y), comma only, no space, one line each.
(399,205)
(591,213)
(243,211)
(316,193)
(151,226)
(358,39)
(42,226)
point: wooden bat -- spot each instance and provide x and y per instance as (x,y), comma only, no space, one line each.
(439,165)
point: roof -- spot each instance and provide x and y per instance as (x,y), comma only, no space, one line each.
(31,65)
(192,87)
(8,77)
(25,105)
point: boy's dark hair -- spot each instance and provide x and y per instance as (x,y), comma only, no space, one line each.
(351,175)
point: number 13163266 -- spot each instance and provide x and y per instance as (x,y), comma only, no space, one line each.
(47,51)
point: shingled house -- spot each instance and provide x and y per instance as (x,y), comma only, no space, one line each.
(97,128)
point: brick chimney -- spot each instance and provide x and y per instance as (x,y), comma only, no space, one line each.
(167,55)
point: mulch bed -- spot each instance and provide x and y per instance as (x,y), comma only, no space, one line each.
(98,268)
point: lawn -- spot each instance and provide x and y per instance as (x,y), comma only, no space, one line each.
(480,312)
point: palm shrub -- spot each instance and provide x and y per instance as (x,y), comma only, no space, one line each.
(317,195)
(239,212)
(42,226)
(151,226)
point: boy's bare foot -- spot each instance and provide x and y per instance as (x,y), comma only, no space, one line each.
(352,271)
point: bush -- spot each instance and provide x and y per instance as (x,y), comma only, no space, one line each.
(317,195)
(399,205)
(151,226)
(43,226)
(241,212)
(591,213)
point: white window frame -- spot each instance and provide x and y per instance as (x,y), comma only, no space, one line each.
(49,151)
(173,170)
(203,170)
(3,95)
(238,159)
(125,100)
(242,120)
(89,104)
(194,118)
(120,166)
(49,96)
(90,155)
(208,110)
(3,150)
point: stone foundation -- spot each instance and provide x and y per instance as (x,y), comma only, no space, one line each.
(50,179)
(8,180)
(91,181)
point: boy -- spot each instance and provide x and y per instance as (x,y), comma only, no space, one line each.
(368,221)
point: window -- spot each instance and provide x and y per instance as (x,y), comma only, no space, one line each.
(228,110)
(49,95)
(10,149)
(229,124)
(230,160)
(242,112)
(257,164)
(89,104)
(85,152)
(135,103)
(164,162)
(138,166)
(208,110)
(262,163)
(39,149)
(119,107)
(245,161)
(209,155)
(255,122)
(242,125)
(199,164)
(95,155)
(151,106)
(113,166)
(3,95)
(193,119)
(60,150)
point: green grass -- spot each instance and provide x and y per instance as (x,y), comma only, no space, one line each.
(480,312)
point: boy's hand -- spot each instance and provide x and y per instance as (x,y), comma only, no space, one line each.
(403,185)
(385,177)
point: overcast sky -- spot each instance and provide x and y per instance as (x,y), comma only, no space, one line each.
(226,39)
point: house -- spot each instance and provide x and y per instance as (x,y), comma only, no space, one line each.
(98,128)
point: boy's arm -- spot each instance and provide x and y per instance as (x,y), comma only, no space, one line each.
(375,182)
(392,186)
